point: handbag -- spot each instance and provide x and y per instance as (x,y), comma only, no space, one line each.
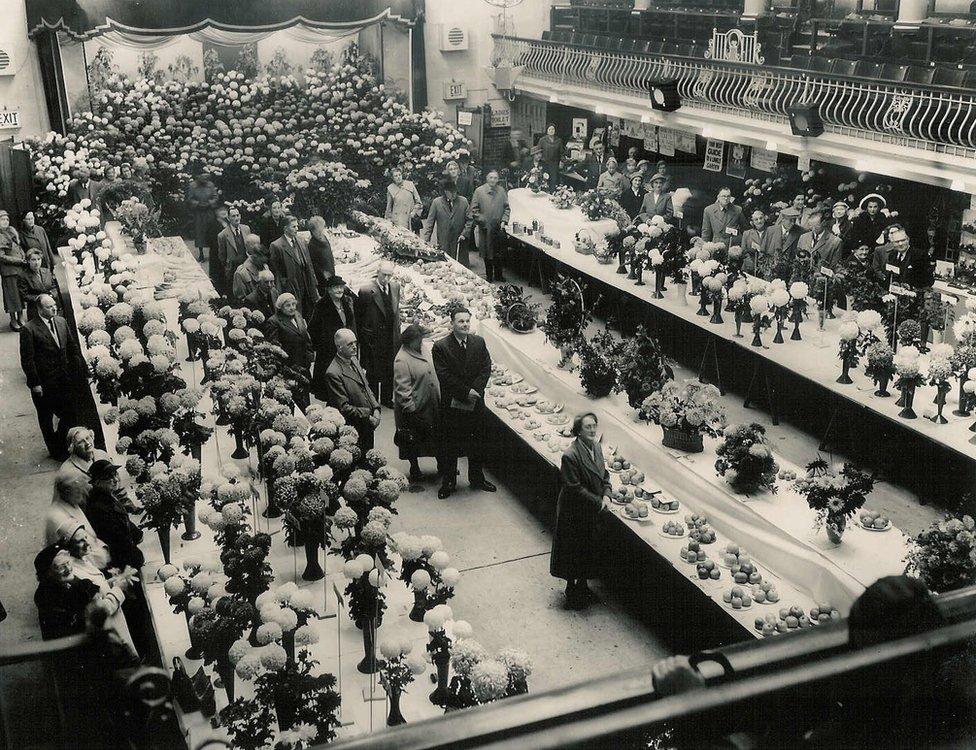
(412,434)
(183,688)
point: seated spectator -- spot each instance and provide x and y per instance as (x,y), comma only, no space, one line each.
(613,180)
(66,513)
(109,518)
(61,597)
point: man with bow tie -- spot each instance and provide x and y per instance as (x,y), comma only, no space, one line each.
(52,364)
(915,267)
(232,246)
(292,267)
(378,315)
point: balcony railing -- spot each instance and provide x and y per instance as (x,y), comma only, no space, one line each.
(931,118)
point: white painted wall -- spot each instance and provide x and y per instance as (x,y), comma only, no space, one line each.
(22,91)
(527,19)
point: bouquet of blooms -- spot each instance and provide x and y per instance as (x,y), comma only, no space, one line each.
(168,494)
(137,221)
(745,459)
(881,364)
(367,602)
(940,369)
(597,204)
(642,367)
(849,351)
(326,188)
(599,357)
(907,367)
(400,667)
(563,197)
(691,407)
(513,310)
(835,497)
(909,333)
(479,678)
(567,316)
(245,563)
(759,311)
(105,372)
(536,179)
(944,554)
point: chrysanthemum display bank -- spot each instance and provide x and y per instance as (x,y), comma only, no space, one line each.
(322,144)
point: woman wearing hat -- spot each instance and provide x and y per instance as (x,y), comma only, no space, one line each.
(840,225)
(12,262)
(61,597)
(34,236)
(109,518)
(34,281)
(335,310)
(869,225)
(657,200)
(613,180)
(287,329)
(416,399)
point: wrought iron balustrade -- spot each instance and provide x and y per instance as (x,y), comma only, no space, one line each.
(932,118)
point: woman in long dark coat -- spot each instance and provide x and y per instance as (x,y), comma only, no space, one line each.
(585,484)
(34,281)
(333,311)
(416,400)
(33,235)
(287,329)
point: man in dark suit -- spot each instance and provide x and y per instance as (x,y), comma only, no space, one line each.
(594,164)
(82,187)
(723,220)
(53,366)
(378,316)
(786,235)
(348,391)
(264,295)
(657,201)
(449,212)
(825,247)
(463,366)
(292,266)
(467,179)
(915,267)
(320,251)
(231,246)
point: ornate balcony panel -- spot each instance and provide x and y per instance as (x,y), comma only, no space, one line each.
(930,118)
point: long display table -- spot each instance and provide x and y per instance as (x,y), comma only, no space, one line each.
(811,361)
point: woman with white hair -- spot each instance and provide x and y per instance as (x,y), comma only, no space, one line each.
(402,200)
(287,329)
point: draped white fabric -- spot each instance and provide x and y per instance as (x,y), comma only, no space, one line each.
(300,32)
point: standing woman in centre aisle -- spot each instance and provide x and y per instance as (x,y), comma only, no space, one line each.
(585,483)
(402,200)
(287,329)
(417,396)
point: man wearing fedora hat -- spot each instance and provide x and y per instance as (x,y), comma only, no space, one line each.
(869,226)
(657,201)
(108,517)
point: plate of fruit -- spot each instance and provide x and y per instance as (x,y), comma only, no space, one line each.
(699,530)
(792,618)
(664,505)
(617,463)
(673,530)
(823,613)
(497,392)
(532,424)
(524,388)
(707,569)
(548,407)
(623,495)
(871,520)
(635,512)
(737,598)
(693,553)
(632,475)
(730,555)
(765,593)
(557,419)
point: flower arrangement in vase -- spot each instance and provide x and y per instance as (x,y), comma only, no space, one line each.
(642,367)
(880,366)
(685,411)
(138,222)
(566,318)
(535,179)
(798,295)
(939,371)
(944,554)
(597,204)
(907,367)
(848,351)
(479,678)
(963,361)
(367,602)
(779,303)
(746,460)
(834,496)
(167,495)
(563,197)
(759,306)
(909,333)
(738,299)
(400,667)
(598,368)
(437,620)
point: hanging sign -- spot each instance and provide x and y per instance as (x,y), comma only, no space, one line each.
(803,163)
(650,138)
(763,159)
(685,142)
(665,141)
(738,159)
(455,90)
(714,155)
(579,128)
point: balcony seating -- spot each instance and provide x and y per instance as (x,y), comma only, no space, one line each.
(949,77)
(918,74)
(893,72)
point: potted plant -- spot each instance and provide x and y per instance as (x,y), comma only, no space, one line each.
(566,318)
(686,411)
(746,460)
(513,311)
(641,366)
(834,496)
(944,554)
(598,369)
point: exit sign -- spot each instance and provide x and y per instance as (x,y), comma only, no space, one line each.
(455,90)
(9,119)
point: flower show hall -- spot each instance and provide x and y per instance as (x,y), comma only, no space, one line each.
(796,379)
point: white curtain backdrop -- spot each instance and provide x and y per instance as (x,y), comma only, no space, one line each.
(301,33)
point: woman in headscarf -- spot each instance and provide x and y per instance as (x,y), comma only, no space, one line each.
(34,281)
(12,262)
(33,236)
(416,399)
(287,329)
(402,200)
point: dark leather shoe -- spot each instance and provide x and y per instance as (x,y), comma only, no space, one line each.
(484,486)
(445,491)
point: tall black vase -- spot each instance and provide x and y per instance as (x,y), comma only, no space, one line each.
(909,396)
(313,571)
(963,410)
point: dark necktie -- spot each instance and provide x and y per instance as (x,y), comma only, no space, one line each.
(54,332)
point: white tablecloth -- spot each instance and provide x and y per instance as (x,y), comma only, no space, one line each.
(814,358)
